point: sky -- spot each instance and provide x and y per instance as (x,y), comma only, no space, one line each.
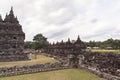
(62,19)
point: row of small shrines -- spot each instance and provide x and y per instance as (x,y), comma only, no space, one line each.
(67,50)
(66,47)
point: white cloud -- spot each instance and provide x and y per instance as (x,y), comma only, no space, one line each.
(60,19)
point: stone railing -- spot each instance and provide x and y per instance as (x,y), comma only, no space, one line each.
(17,70)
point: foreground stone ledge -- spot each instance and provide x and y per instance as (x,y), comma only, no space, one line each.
(19,70)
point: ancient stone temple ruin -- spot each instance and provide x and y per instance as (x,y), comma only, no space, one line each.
(11,39)
(70,51)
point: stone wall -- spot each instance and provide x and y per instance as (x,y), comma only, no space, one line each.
(107,63)
(13,57)
(99,73)
(17,70)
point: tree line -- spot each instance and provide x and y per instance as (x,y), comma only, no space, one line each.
(40,41)
(109,43)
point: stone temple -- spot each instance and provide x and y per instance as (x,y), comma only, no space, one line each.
(11,39)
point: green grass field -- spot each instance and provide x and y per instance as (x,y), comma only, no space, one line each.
(41,59)
(103,50)
(67,74)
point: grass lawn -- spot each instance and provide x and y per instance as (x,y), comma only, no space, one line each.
(103,50)
(41,59)
(67,74)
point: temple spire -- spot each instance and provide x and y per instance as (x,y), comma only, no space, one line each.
(10,17)
(1,18)
(16,19)
(53,43)
(11,14)
(68,42)
(78,40)
(6,18)
(61,42)
(6,15)
(11,11)
(57,43)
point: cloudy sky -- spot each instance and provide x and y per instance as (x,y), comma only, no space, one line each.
(60,19)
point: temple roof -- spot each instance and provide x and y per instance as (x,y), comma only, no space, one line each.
(62,42)
(68,42)
(10,17)
(78,40)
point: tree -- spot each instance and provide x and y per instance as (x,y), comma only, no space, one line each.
(39,42)
(91,44)
(114,44)
(28,45)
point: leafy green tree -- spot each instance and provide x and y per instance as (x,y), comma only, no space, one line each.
(28,45)
(108,43)
(114,44)
(39,42)
(91,44)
